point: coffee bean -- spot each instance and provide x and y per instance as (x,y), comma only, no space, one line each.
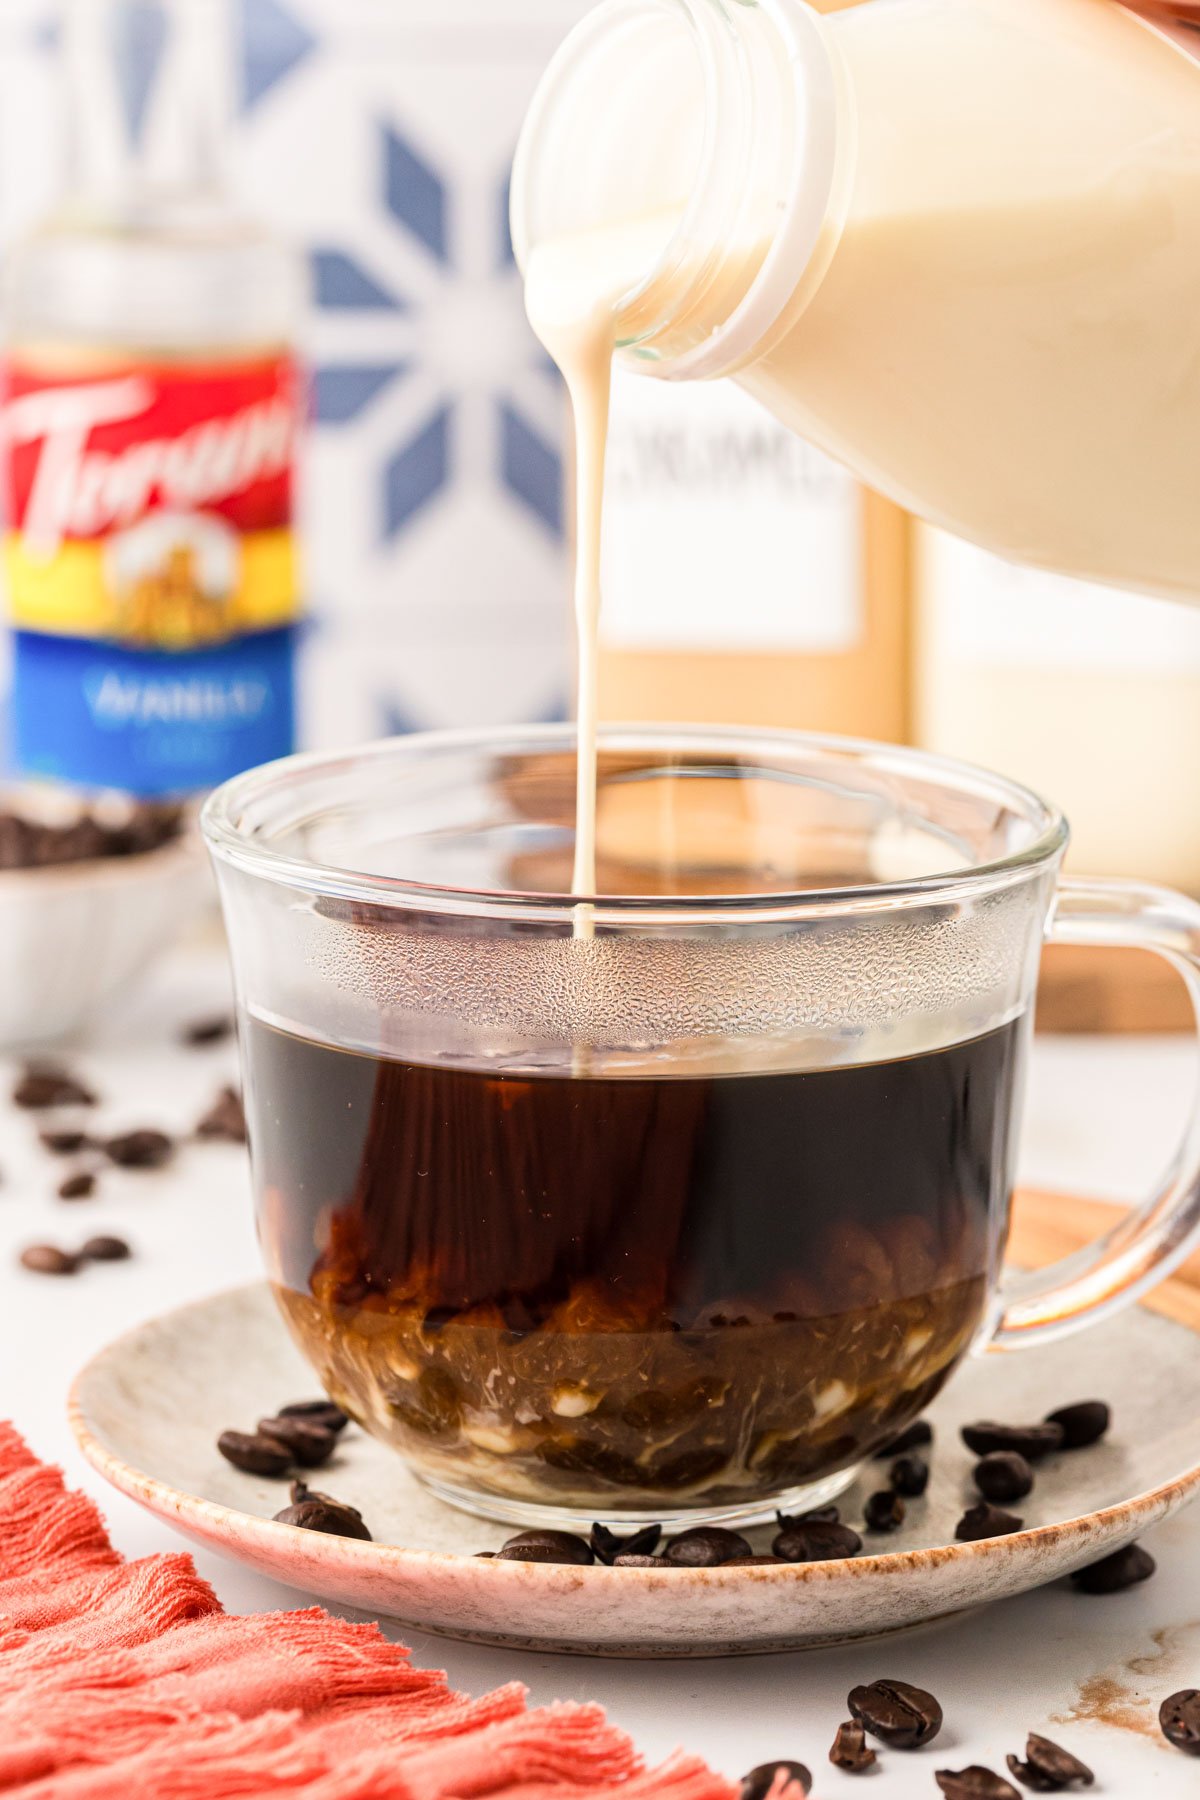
(225,1120)
(974,1784)
(63,1143)
(900,1715)
(144,1149)
(915,1437)
(754,1562)
(310,1444)
(607,1546)
(325,1515)
(910,1476)
(777,1781)
(706,1547)
(851,1751)
(1113,1574)
(80,1186)
(48,1259)
(1083,1424)
(43,1085)
(203,1032)
(816,1541)
(1030,1441)
(1004,1475)
(1179,1717)
(884,1511)
(320,1412)
(546,1547)
(1048,1768)
(642,1562)
(105,1249)
(254,1454)
(985,1521)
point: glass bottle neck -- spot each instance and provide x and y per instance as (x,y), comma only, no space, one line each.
(725,119)
(147,103)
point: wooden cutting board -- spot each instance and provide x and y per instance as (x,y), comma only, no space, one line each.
(1047,1227)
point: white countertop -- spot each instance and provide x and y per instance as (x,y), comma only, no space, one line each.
(1101,1115)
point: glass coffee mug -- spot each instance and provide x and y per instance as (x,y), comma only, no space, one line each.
(678,1205)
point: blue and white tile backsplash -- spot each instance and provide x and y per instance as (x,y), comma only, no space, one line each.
(378,135)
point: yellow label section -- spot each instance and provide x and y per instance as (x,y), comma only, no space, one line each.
(168,600)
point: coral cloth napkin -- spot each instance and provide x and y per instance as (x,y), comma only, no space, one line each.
(121,1680)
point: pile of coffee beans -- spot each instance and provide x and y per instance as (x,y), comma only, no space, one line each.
(304,1434)
(133,829)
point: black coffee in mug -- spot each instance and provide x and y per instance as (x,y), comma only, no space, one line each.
(633,1292)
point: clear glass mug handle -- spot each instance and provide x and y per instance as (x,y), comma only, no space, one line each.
(1148,1244)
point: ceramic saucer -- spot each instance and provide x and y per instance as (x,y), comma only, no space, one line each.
(147,1411)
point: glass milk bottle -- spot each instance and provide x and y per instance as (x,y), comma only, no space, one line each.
(953,243)
(152,418)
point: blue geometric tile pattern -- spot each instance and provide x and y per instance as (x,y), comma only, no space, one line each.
(341,392)
(414,193)
(416,472)
(532,469)
(340,280)
(139,38)
(273,43)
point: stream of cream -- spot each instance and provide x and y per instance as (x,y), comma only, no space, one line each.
(574,292)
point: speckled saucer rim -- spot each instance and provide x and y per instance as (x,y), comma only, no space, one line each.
(1138,1514)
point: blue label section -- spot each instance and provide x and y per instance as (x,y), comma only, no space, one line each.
(147,721)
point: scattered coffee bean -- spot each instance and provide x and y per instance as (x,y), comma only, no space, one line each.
(706,1547)
(900,1715)
(986,1521)
(820,1515)
(910,1476)
(546,1547)
(48,1259)
(203,1032)
(80,1186)
(63,1143)
(851,1751)
(43,1085)
(225,1120)
(1030,1441)
(105,1249)
(630,1561)
(1083,1424)
(254,1454)
(607,1546)
(884,1511)
(974,1784)
(144,1149)
(777,1781)
(816,1541)
(310,1444)
(1004,1475)
(320,1513)
(320,1412)
(1179,1717)
(1048,1768)
(915,1437)
(1113,1574)
(754,1562)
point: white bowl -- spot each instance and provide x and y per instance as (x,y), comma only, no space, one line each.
(74,937)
